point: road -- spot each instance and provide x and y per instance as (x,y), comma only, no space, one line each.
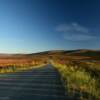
(38,84)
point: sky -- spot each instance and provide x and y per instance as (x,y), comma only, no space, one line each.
(28,26)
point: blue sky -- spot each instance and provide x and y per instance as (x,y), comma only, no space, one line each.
(38,25)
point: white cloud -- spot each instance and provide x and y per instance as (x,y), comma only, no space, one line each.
(79,37)
(75,32)
(71,27)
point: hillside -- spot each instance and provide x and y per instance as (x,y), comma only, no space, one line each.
(54,54)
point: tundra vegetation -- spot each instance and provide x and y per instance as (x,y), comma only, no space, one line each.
(81,79)
(14,65)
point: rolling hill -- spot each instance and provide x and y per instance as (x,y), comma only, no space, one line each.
(81,54)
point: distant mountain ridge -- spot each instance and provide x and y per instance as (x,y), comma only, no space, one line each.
(94,54)
(65,55)
(83,52)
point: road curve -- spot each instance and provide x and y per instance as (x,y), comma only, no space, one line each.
(38,84)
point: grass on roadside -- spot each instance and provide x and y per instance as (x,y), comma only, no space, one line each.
(13,68)
(79,82)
